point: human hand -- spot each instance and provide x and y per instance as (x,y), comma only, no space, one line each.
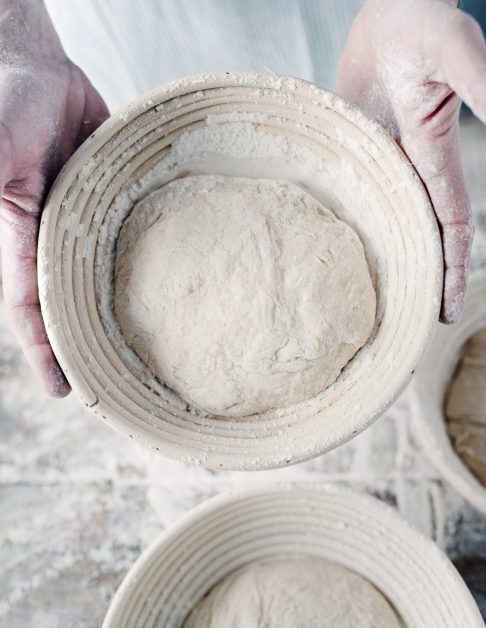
(47,109)
(408,64)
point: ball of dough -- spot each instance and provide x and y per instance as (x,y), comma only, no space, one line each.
(294,593)
(466,406)
(241,295)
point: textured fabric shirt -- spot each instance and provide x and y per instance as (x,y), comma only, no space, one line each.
(127,47)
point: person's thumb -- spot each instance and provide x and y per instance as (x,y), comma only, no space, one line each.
(436,156)
(95,113)
(461,57)
(20,208)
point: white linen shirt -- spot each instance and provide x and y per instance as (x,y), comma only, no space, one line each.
(127,47)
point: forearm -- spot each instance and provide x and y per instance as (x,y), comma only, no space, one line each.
(27,34)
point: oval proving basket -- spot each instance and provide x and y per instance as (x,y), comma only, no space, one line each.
(350,163)
(430,386)
(232,530)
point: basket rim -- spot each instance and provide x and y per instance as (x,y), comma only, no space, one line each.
(427,551)
(104,134)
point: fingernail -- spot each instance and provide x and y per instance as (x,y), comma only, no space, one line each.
(58,385)
(452,309)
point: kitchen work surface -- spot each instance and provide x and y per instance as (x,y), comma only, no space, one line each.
(79,502)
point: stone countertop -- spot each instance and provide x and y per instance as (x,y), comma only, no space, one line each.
(80,502)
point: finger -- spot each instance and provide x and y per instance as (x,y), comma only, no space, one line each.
(18,236)
(438,162)
(461,52)
(95,112)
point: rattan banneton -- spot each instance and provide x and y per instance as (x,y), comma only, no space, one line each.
(276,521)
(398,229)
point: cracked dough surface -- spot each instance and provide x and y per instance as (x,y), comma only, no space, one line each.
(241,295)
(294,593)
(466,406)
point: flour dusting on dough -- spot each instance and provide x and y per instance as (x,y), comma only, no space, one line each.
(241,295)
(294,593)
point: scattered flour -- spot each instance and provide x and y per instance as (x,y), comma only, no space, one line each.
(58,492)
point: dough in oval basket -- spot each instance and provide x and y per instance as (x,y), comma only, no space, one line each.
(241,295)
(294,593)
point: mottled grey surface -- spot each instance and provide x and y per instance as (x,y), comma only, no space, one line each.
(79,502)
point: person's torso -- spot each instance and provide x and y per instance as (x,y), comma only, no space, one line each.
(127,48)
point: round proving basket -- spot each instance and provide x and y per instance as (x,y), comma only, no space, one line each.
(232,530)
(430,387)
(350,164)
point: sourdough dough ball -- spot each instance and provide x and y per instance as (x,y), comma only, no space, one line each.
(294,593)
(466,406)
(241,295)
